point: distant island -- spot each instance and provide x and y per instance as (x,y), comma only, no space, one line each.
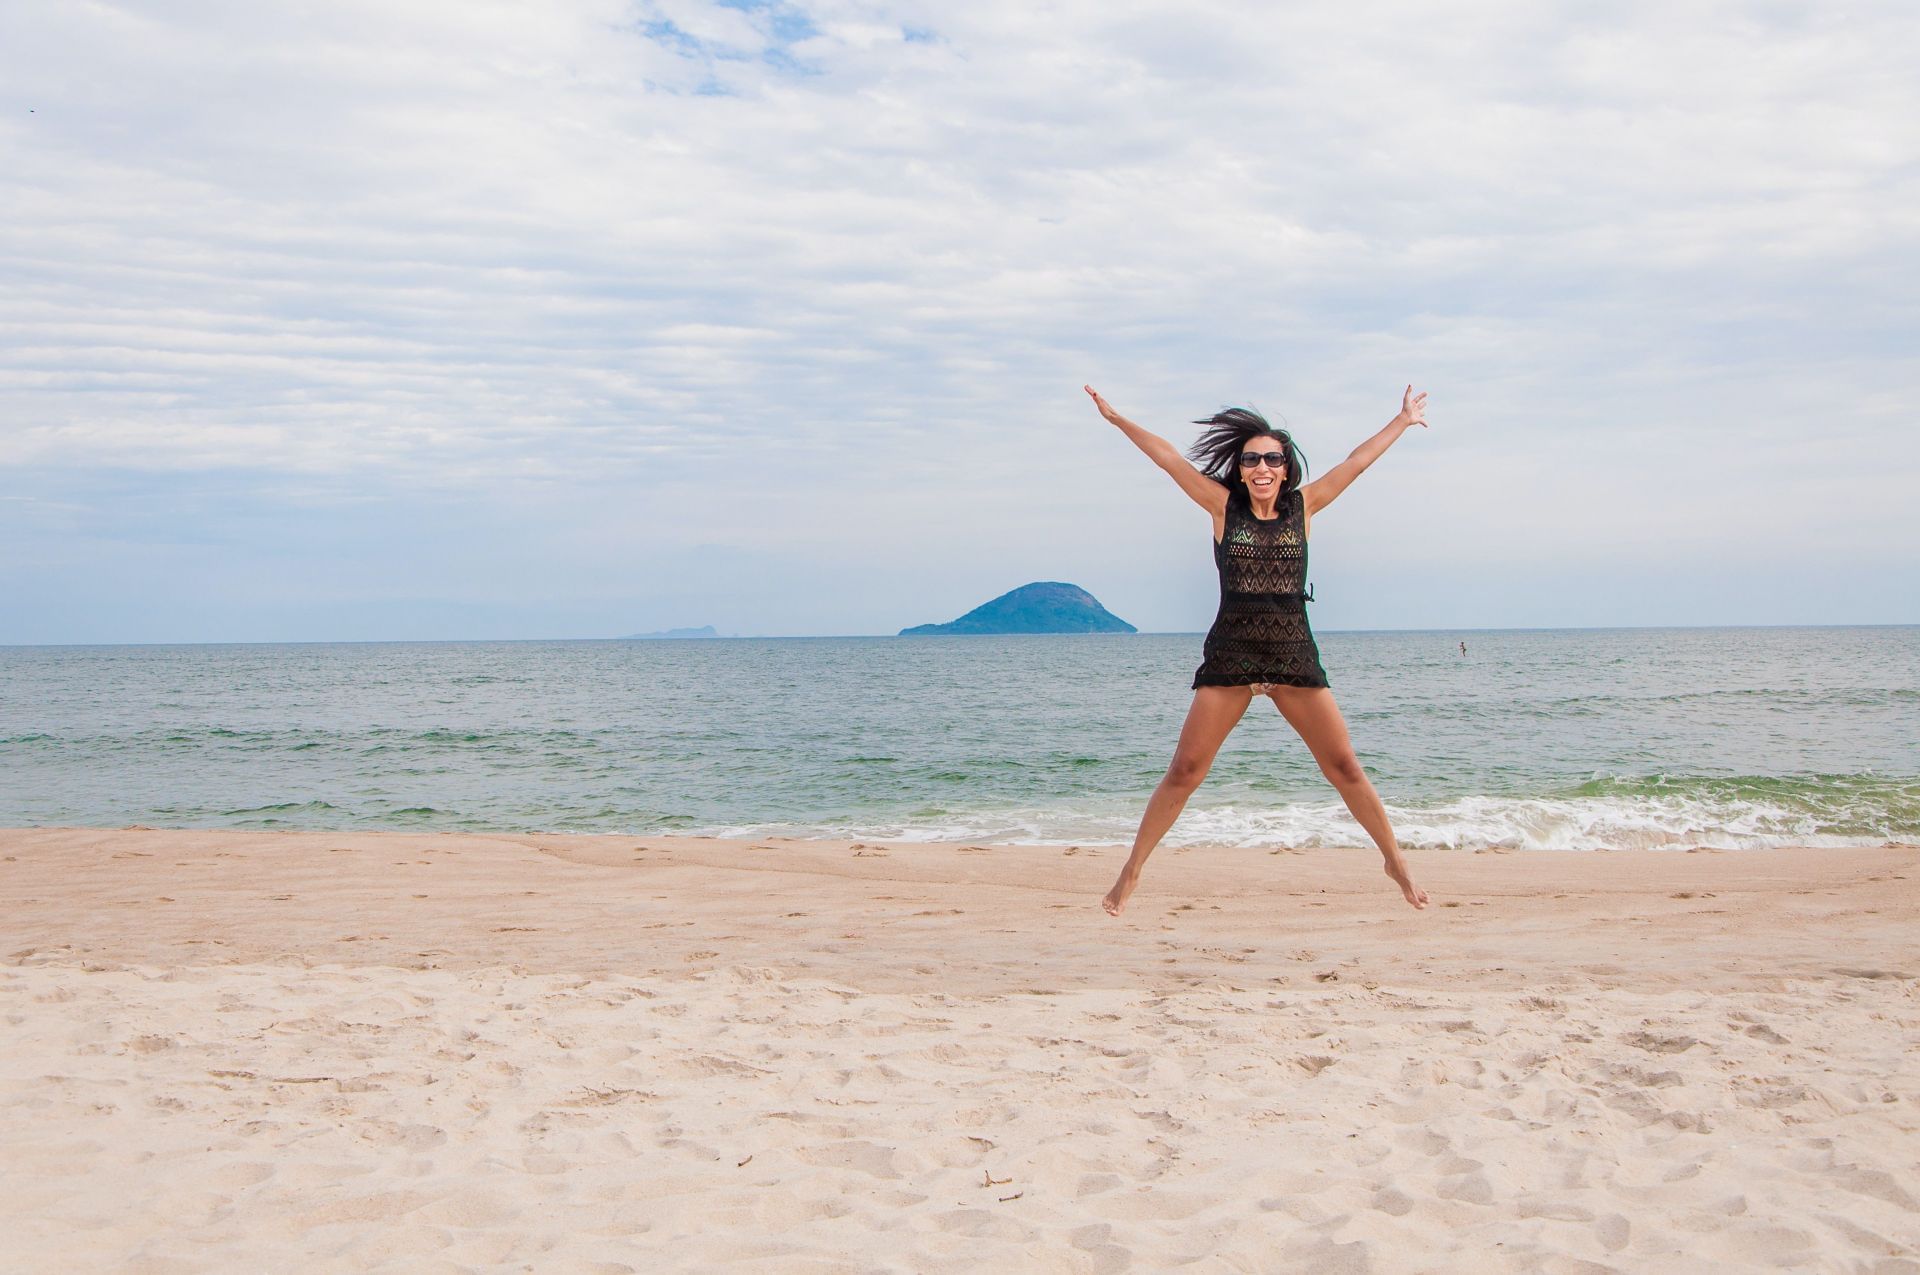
(704,631)
(1045,606)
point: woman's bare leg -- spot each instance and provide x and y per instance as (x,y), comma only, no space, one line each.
(1216,710)
(1312,712)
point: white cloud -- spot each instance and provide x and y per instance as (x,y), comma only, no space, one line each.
(469,247)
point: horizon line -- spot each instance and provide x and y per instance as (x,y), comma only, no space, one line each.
(833,637)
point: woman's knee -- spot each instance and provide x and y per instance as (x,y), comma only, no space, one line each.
(1343,769)
(1186,772)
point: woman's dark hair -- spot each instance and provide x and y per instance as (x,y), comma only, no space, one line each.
(1217,451)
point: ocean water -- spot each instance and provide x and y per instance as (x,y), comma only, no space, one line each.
(1535,739)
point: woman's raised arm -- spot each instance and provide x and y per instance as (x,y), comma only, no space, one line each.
(1208,494)
(1320,493)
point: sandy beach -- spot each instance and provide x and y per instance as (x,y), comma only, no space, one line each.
(451,1052)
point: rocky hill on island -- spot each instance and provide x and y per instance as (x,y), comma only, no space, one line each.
(1046,606)
(704,631)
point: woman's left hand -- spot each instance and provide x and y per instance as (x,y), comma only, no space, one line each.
(1101,404)
(1413,407)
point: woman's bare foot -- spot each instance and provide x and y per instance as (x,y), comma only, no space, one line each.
(1397,871)
(1116,901)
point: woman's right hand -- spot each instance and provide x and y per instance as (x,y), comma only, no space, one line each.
(1208,494)
(1101,403)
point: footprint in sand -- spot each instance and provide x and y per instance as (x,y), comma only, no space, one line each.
(1393,1202)
(404,1136)
(861,1157)
(1469,1188)
(1657,1044)
(234,1177)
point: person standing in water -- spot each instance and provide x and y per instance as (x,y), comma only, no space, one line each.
(1248,479)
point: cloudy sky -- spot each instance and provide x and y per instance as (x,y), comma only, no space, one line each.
(448,318)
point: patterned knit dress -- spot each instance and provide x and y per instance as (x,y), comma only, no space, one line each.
(1261,633)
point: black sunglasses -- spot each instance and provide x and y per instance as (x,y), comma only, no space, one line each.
(1275,460)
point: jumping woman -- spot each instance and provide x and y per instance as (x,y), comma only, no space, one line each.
(1248,479)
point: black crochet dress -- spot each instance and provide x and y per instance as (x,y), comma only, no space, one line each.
(1261,634)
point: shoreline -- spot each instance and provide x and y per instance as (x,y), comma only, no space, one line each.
(426,1051)
(166,892)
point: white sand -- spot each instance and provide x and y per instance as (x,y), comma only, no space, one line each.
(231,1051)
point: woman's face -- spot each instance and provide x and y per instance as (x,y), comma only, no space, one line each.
(1263,481)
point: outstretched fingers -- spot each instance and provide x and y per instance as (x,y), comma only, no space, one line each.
(1414,407)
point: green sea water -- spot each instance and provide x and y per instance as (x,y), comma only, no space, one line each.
(1557,739)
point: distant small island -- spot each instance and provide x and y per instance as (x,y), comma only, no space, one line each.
(704,631)
(1045,606)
